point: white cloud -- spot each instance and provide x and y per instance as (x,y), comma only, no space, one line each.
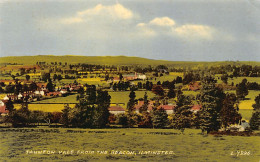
(194,31)
(162,21)
(115,12)
(167,26)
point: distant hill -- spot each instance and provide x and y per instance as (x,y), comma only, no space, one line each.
(109,60)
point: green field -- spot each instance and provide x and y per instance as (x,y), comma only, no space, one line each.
(67,99)
(249,100)
(190,146)
(123,97)
(246,113)
(113,60)
(237,80)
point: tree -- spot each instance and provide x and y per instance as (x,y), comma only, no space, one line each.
(65,115)
(241,89)
(121,77)
(27,77)
(144,107)
(130,109)
(182,117)
(158,90)
(229,113)
(101,112)
(91,95)
(106,77)
(50,86)
(19,117)
(55,76)
(255,119)
(224,78)
(171,93)
(33,86)
(211,99)
(159,117)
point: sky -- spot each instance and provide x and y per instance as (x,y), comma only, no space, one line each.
(176,30)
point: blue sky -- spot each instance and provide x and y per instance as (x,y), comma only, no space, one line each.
(177,30)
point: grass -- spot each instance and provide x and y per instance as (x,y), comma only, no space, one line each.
(113,60)
(123,97)
(190,146)
(67,99)
(237,80)
(249,101)
(246,114)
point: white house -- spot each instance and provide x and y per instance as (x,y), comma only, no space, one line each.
(143,77)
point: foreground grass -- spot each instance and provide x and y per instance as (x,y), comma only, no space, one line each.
(190,146)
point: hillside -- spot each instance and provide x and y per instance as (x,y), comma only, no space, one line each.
(108,60)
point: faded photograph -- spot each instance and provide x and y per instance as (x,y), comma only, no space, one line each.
(121,80)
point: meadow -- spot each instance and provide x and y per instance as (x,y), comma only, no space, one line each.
(64,144)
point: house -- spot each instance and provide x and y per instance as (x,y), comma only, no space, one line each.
(3,110)
(168,108)
(116,79)
(116,110)
(141,103)
(194,86)
(54,94)
(41,85)
(195,108)
(63,91)
(244,126)
(42,93)
(143,77)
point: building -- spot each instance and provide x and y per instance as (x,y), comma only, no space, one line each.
(116,110)
(3,110)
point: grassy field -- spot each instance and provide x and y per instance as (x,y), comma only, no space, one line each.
(84,144)
(249,101)
(123,97)
(246,114)
(113,60)
(237,80)
(67,99)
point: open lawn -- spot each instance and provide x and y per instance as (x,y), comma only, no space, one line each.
(83,145)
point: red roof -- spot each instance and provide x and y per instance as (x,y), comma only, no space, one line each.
(195,86)
(3,109)
(116,108)
(7,81)
(167,107)
(41,84)
(53,93)
(196,107)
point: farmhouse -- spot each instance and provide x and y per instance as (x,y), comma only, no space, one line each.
(3,110)
(116,110)
(195,108)
(168,108)
(194,86)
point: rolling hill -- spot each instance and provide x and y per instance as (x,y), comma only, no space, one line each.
(109,60)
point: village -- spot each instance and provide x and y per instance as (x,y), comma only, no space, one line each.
(47,87)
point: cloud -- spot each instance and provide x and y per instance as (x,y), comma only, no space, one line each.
(162,21)
(167,26)
(115,12)
(194,31)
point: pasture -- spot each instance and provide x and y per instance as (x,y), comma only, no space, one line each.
(86,145)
